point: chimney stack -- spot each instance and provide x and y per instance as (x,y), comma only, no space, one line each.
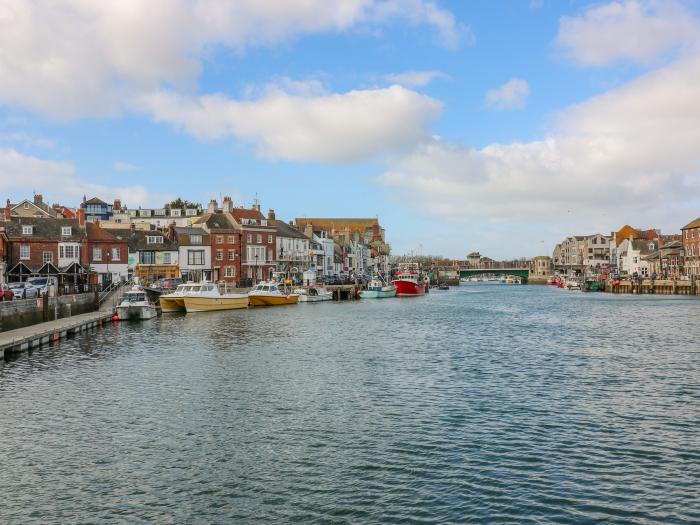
(81,216)
(171,231)
(38,199)
(309,230)
(212,206)
(84,198)
(8,211)
(117,205)
(271,214)
(227,205)
(256,207)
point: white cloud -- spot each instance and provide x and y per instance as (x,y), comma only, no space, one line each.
(635,30)
(27,139)
(124,167)
(511,95)
(629,156)
(21,172)
(89,57)
(324,128)
(414,78)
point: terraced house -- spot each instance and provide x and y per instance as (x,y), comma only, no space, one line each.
(225,234)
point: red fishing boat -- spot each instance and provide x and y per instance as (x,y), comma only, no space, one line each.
(409,280)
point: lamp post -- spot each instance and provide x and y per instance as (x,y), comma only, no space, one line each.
(255,270)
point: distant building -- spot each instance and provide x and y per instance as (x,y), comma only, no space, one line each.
(96,209)
(691,247)
(226,243)
(541,266)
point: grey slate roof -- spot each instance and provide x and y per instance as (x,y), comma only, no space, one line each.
(285,230)
(45,228)
(137,240)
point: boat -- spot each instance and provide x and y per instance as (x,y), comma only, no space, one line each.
(410,281)
(443,287)
(134,304)
(271,293)
(378,289)
(572,284)
(511,280)
(206,297)
(313,294)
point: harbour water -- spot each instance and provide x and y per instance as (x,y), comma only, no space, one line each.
(481,404)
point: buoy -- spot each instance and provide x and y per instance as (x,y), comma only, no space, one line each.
(115,318)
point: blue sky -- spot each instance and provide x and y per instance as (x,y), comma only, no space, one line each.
(491,126)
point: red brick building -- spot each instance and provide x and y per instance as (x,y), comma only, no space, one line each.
(258,244)
(106,255)
(226,243)
(691,247)
(38,246)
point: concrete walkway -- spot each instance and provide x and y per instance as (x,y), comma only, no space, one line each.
(35,335)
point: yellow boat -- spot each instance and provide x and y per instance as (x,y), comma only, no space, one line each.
(201,297)
(269,294)
(210,304)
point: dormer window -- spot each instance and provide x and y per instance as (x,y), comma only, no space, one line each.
(175,213)
(195,239)
(66,231)
(160,212)
(190,212)
(27,230)
(26,206)
(154,239)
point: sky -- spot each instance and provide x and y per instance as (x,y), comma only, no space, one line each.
(492,126)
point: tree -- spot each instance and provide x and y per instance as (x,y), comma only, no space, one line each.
(181,203)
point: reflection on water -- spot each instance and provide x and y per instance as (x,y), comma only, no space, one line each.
(482,404)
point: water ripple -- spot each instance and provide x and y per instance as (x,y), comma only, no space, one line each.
(484,404)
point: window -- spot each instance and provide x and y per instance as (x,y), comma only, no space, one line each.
(97,254)
(231,239)
(167,258)
(154,239)
(67,251)
(24,251)
(26,206)
(66,230)
(269,238)
(259,238)
(160,212)
(191,212)
(116,254)
(195,257)
(175,213)
(147,257)
(231,255)
(250,238)
(195,239)
(229,271)
(219,255)
(47,257)
(269,255)
(27,230)
(219,239)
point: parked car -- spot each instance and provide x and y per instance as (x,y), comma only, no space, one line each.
(42,283)
(332,279)
(172,282)
(6,294)
(23,291)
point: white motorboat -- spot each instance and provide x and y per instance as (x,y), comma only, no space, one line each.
(135,305)
(313,294)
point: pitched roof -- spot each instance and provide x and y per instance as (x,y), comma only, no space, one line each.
(45,229)
(247,213)
(285,230)
(217,221)
(354,225)
(96,233)
(693,224)
(95,200)
(137,239)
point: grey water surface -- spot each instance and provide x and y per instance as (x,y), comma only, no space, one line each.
(481,404)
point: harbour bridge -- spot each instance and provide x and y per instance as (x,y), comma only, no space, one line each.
(461,271)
